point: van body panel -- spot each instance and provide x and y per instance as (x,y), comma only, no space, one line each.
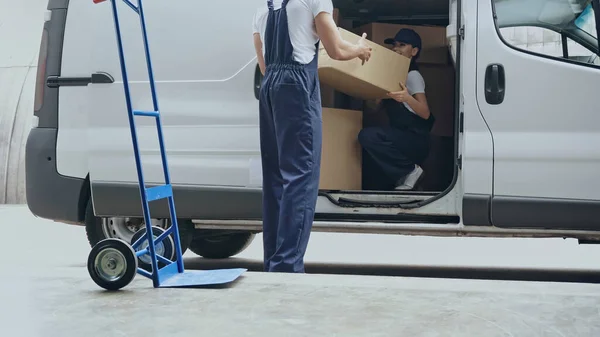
(191,202)
(545,213)
(205,85)
(49,194)
(476,210)
(545,131)
(57,4)
(478,150)
(73,103)
(528,162)
(42,180)
(226,203)
(477,145)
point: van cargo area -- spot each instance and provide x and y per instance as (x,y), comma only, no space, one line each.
(345,166)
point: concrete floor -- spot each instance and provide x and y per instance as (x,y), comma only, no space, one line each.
(64,302)
(51,294)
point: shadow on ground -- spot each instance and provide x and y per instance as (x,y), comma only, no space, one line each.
(509,274)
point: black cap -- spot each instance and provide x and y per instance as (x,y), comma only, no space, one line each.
(408,36)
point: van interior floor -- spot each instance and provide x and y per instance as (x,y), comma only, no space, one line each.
(348,173)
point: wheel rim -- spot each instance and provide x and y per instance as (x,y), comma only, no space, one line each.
(124,228)
(110,264)
(159,250)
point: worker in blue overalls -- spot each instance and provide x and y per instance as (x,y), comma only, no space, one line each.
(286,37)
(400,150)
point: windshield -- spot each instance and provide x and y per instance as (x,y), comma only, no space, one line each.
(587,22)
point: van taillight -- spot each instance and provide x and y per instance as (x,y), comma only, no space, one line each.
(41,72)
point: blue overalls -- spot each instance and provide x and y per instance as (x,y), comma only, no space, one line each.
(290,143)
(397,148)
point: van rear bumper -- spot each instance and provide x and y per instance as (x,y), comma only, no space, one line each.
(49,194)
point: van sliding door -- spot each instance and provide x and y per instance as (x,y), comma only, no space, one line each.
(204,61)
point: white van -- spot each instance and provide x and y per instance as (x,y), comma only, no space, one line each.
(517,152)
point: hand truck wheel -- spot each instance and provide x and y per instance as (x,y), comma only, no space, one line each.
(112,264)
(165,248)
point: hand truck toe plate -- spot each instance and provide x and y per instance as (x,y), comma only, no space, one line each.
(202,278)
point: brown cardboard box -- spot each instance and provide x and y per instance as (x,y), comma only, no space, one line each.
(434,42)
(341,159)
(380,75)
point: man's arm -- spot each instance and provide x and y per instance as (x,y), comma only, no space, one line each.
(336,47)
(259,53)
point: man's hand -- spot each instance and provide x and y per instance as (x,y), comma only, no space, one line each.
(400,96)
(365,50)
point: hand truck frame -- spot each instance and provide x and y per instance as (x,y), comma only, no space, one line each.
(113,263)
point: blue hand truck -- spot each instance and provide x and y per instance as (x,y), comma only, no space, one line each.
(113,263)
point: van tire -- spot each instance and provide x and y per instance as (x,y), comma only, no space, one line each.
(221,246)
(95,233)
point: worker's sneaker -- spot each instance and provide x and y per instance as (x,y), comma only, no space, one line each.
(411,179)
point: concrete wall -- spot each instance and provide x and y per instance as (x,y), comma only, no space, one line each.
(21,25)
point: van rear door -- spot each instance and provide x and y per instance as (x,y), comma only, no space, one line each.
(538,75)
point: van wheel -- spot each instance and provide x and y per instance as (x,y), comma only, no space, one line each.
(221,246)
(98,229)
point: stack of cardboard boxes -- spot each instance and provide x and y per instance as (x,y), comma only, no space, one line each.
(347,85)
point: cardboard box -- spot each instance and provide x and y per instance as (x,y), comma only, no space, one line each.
(341,159)
(373,80)
(433,38)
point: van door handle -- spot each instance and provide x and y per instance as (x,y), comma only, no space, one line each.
(494,84)
(59,81)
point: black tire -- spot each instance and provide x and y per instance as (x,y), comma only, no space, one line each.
(166,248)
(121,252)
(186,233)
(221,246)
(95,233)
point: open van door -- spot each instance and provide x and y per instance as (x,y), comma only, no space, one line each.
(538,74)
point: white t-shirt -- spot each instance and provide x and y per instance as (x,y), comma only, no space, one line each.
(301,24)
(415,84)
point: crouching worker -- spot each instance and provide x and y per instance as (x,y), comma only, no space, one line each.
(400,149)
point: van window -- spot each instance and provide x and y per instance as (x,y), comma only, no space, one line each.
(547,42)
(564,29)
